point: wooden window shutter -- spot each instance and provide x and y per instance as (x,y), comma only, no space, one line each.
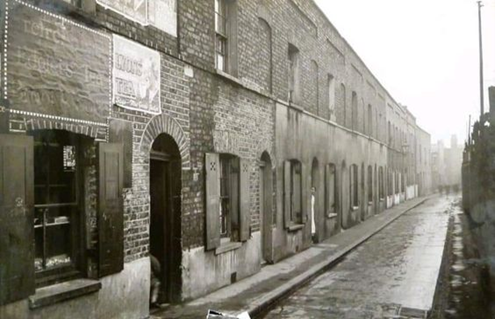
(245,200)
(305,193)
(287,190)
(110,208)
(212,167)
(122,132)
(16,218)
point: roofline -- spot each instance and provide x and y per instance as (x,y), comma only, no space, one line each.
(354,52)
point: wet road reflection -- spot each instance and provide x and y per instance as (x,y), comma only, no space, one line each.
(396,268)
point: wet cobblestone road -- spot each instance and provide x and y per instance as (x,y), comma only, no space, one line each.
(395,269)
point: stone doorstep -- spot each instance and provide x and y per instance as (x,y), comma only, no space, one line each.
(64,291)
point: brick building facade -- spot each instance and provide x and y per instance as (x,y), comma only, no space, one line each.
(240,113)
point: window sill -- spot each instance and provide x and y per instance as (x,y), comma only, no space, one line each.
(355,208)
(61,292)
(294,228)
(332,215)
(228,76)
(224,248)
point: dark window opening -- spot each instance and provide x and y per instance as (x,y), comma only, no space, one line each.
(229,197)
(58,215)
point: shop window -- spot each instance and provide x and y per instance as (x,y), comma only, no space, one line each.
(354,180)
(57,219)
(59,182)
(67,179)
(331,190)
(226,36)
(227,199)
(293,74)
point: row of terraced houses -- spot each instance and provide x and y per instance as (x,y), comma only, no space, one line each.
(216,135)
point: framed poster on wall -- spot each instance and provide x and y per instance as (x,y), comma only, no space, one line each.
(136,76)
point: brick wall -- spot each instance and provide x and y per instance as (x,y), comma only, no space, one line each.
(216,114)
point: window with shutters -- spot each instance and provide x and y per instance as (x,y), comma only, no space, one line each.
(293,193)
(226,36)
(331,190)
(354,182)
(57,219)
(227,199)
(296,192)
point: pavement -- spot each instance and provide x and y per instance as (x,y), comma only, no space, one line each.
(261,291)
(394,274)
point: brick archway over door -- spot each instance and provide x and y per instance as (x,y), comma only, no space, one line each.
(165,124)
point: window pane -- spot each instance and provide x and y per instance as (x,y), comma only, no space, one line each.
(225,208)
(220,62)
(58,245)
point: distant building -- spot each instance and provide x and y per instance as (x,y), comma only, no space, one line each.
(446,164)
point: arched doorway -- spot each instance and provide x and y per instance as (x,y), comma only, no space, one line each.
(266,207)
(165,221)
(315,198)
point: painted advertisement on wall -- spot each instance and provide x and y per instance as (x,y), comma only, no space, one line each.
(135,10)
(57,67)
(136,76)
(163,15)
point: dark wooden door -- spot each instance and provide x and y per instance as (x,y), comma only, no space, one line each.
(165,238)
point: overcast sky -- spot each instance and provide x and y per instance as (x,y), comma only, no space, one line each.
(425,53)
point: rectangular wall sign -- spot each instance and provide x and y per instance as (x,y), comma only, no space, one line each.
(56,66)
(136,76)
